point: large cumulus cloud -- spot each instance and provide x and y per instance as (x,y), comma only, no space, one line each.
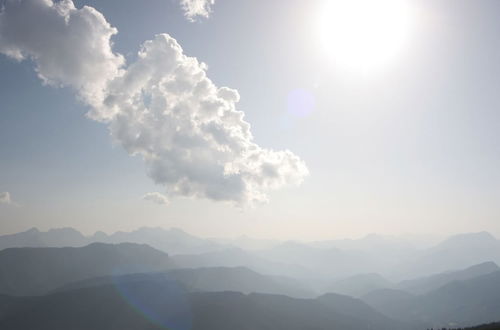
(162,107)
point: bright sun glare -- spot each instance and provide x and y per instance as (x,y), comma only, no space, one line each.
(364,34)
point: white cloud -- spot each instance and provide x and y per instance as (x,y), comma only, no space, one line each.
(189,132)
(5,198)
(157,198)
(197,8)
(163,107)
(69,46)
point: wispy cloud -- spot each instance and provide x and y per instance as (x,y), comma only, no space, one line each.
(5,198)
(157,198)
(162,107)
(194,9)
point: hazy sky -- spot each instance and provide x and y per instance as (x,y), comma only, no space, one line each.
(410,144)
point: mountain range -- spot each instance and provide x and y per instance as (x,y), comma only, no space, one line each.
(89,286)
(34,271)
(163,304)
(457,303)
(395,259)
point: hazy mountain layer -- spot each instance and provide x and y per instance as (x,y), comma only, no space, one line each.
(463,303)
(237,279)
(320,264)
(429,283)
(163,304)
(359,285)
(457,252)
(171,241)
(52,238)
(32,271)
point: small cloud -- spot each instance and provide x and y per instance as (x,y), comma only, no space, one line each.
(157,198)
(197,8)
(5,198)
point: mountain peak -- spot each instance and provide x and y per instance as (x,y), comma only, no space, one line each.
(64,230)
(32,230)
(100,235)
(485,266)
(480,237)
(177,230)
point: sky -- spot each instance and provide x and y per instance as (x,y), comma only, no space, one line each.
(390,129)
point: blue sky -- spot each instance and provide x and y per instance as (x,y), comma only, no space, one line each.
(410,147)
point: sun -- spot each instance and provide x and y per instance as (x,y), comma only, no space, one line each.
(364,34)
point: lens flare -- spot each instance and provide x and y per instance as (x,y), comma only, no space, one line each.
(300,102)
(157,298)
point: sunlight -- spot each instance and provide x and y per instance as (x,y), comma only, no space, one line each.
(364,34)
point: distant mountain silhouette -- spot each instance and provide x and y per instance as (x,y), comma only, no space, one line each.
(372,244)
(33,271)
(359,285)
(477,240)
(357,308)
(319,264)
(135,286)
(330,262)
(172,241)
(247,243)
(457,252)
(429,283)
(234,257)
(159,304)
(459,303)
(52,238)
(389,301)
(238,279)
